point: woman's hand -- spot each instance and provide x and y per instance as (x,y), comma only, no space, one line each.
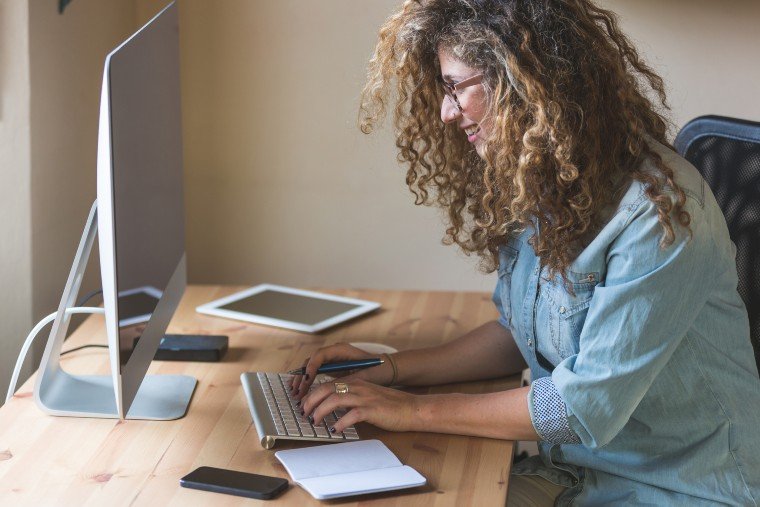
(384,407)
(300,384)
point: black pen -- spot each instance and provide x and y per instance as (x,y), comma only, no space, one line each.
(344,366)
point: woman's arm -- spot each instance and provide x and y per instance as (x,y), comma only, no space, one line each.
(488,351)
(502,415)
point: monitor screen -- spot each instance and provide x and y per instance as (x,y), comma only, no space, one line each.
(140,197)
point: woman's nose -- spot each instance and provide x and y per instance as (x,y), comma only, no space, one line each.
(449,110)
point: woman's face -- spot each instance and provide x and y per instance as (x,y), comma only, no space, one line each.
(471,119)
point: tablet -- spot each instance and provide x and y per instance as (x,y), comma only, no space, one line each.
(300,310)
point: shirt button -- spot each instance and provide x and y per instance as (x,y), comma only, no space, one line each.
(591,277)
(530,343)
(562,309)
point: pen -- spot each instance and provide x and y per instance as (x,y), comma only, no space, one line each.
(344,366)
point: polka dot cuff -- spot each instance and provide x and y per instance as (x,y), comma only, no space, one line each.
(549,413)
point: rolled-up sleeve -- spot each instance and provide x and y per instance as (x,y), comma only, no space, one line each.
(637,318)
(548,413)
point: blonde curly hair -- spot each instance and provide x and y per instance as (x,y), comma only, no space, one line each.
(571,119)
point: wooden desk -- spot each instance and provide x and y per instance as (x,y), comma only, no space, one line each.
(46,460)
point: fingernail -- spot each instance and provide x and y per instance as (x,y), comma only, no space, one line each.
(332,429)
(311,419)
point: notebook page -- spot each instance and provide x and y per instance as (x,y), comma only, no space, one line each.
(331,459)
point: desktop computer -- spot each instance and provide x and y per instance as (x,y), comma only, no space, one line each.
(139,219)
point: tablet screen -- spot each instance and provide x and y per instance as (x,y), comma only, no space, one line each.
(289,307)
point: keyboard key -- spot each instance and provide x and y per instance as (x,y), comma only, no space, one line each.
(307,430)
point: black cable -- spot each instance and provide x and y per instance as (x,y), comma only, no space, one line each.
(89,296)
(84,347)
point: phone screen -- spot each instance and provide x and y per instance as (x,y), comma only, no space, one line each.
(231,482)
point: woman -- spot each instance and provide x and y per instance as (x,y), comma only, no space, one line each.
(617,280)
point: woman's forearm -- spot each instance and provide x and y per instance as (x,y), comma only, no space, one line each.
(502,415)
(488,351)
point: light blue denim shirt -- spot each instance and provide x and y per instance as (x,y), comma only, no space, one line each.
(645,389)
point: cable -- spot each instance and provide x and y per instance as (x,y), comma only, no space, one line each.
(98,345)
(29,339)
(88,296)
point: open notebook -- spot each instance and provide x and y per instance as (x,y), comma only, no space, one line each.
(352,468)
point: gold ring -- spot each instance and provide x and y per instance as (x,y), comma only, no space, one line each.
(341,388)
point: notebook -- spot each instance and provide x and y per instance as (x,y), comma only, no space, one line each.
(352,468)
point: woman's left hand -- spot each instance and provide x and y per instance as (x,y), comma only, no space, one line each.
(384,407)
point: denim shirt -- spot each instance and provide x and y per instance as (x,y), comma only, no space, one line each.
(645,388)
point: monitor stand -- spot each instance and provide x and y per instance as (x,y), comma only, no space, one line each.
(160,397)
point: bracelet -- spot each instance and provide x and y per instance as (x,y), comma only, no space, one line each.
(395,369)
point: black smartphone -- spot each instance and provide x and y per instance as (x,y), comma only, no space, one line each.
(231,482)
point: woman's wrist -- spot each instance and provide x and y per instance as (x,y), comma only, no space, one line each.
(394,368)
(423,412)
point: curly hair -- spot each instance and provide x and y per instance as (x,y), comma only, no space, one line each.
(572,122)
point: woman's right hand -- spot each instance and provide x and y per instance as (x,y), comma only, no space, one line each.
(382,374)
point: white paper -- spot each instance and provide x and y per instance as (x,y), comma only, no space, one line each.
(331,459)
(351,468)
(368,481)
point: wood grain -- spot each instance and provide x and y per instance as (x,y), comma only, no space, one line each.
(47,460)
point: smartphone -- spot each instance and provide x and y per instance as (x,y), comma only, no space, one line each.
(231,482)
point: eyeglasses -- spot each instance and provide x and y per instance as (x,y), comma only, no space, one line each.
(451,89)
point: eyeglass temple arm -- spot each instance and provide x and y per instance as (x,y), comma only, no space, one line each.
(477,78)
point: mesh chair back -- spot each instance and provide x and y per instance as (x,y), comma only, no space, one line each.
(727,153)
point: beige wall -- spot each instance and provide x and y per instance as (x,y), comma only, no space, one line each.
(66,63)
(706,51)
(15,225)
(51,68)
(280,185)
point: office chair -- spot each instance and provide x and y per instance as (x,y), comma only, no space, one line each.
(727,153)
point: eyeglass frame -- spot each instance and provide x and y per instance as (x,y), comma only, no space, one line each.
(450,89)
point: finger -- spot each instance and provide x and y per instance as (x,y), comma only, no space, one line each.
(332,402)
(315,397)
(304,386)
(353,416)
(297,379)
(337,352)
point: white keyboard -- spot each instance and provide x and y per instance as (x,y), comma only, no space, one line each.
(276,416)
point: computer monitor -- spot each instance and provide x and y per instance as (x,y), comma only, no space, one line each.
(140,223)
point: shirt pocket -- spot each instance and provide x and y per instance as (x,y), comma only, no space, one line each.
(560,315)
(507,261)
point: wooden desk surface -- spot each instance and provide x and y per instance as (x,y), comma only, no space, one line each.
(46,460)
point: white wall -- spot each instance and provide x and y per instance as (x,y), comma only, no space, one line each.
(15,182)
